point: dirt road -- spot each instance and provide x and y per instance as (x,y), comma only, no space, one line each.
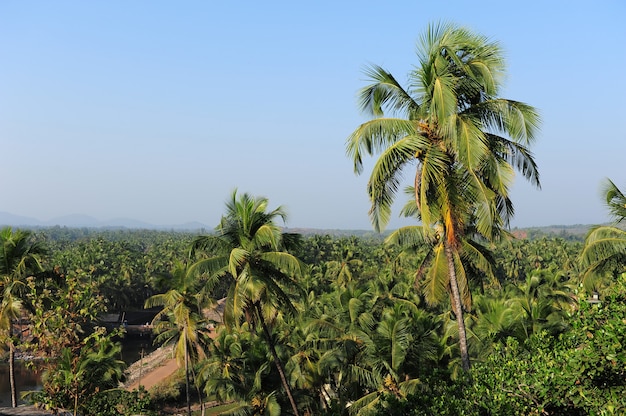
(151,369)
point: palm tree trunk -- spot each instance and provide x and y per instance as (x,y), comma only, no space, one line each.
(76,400)
(195,382)
(12,373)
(457,307)
(277,361)
(187,379)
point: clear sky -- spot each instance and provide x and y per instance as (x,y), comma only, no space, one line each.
(158,110)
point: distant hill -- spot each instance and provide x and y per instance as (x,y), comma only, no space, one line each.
(85,221)
(569,232)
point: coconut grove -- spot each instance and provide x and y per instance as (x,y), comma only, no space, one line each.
(454,315)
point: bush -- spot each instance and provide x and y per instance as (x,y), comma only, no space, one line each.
(583,372)
(169,390)
(121,403)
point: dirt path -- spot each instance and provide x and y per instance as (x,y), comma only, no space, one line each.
(155,376)
(152,369)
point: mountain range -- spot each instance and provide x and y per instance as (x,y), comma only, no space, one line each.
(85,221)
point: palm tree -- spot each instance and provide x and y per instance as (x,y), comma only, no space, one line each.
(543,302)
(237,369)
(249,252)
(10,310)
(343,269)
(20,256)
(495,320)
(452,128)
(81,373)
(605,245)
(341,327)
(181,320)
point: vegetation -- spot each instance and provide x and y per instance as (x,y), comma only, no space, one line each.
(79,358)
(19,259)
(181,321)
(605,245)
(360,338)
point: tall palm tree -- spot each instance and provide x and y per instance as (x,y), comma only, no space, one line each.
(10,311)
(20,257)
(463,141)
(605,245)
(181,320)
(249,252)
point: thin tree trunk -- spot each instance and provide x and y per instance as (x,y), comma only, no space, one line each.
(76,400)
(457,307)
(187,378)
(195,382)
(277,361)
(12,373)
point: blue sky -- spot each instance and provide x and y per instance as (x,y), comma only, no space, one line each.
(158,110)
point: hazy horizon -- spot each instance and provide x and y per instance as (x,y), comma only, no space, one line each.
(157,111)
(84,221)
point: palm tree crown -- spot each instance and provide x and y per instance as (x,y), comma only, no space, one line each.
(452,126)
(248,251)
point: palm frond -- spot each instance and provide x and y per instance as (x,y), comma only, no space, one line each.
(410,386)
(434,168)
(365,405)
(266,236)
(436,280)
(615,201)
(374,136)
(284,262)
(519,156)
(210,270)
(479,257)
(467,139)
(384,92)
(409,237)
(442,100)
(601,244)
(386,177)
(237,259)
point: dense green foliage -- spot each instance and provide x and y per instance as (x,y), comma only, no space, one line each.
(119,402)
(79,358)
(363,336)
